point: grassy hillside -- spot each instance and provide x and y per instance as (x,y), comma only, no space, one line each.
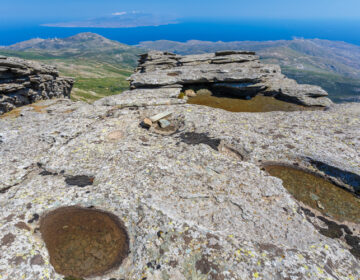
(99,66)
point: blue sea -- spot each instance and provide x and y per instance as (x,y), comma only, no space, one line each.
(188,29)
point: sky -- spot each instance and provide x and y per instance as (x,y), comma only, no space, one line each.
(55,10)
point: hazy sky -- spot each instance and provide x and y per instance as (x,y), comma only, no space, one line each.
(234,9)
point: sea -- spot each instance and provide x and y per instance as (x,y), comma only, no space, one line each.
(191,29)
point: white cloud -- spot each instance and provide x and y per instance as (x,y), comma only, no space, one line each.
(119,13)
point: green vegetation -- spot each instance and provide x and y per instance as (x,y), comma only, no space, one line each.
(91,89)
(95,78)
(100,66)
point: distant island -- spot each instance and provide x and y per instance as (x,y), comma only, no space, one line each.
(119,20)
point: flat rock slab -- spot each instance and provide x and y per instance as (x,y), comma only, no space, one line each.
(196,204)
(143,97)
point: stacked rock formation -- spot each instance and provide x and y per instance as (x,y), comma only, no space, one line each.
(23,82)
(243,68)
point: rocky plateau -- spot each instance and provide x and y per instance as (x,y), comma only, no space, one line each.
(194,197)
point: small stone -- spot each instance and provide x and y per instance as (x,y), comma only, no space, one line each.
(190,93)
(320,205)
(146,123)
(164,123)
(203,91)
(314,196)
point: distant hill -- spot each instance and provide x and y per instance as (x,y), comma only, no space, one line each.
(78,43)
(121,19)
(99,65)
(83,45)
(333,65)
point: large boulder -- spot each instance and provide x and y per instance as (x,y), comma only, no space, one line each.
(163,69)
(23,82)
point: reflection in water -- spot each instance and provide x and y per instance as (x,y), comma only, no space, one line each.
(259,103)
(318,193)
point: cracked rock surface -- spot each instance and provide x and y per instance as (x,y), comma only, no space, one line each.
(195,201)
(23,82)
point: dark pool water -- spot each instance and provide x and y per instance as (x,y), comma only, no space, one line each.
(256,104)
(318,193)
(83,242)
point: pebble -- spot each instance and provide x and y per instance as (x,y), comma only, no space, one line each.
(319,205)
(164,123)
(147,123)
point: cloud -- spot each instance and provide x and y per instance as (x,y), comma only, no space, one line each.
(119,13)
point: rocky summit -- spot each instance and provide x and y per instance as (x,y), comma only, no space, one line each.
(187,185)
(23,82)
(242,68)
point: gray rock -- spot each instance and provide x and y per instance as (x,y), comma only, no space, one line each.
(164,123)
(23,82)
(195,201)
(162,69)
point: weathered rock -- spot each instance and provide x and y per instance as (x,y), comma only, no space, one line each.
(162,69)
(164,123)
(190,93)
(23,82)
(146,123)
(195,203)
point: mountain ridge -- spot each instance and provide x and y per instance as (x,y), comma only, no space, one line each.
(335,66)
(93,42)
